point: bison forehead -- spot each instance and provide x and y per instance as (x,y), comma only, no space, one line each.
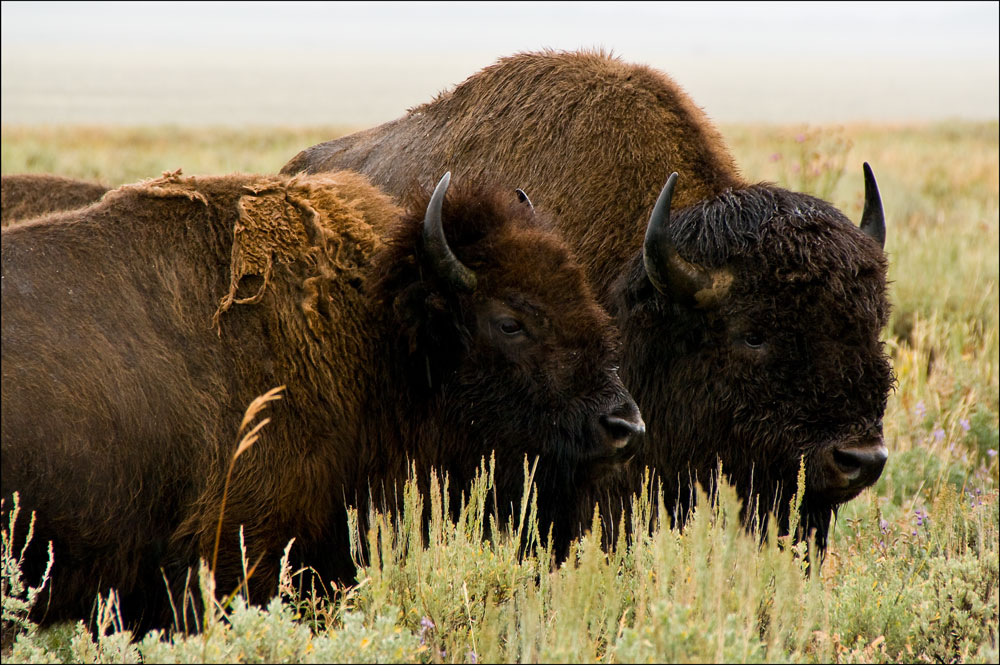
(540,262)
(774,230)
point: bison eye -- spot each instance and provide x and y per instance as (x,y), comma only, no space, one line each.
(754,340)
(509,326)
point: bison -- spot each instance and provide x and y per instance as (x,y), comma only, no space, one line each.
(136,331)
(29,195)
(750,318)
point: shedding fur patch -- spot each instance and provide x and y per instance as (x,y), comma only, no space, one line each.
(329,224)
(170,184)
(333,223)
(269,229)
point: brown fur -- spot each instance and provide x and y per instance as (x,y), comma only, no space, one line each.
(28,195)
(137,330)
(592,140)
(577,131)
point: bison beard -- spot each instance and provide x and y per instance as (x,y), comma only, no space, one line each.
(137,330)
(592,138)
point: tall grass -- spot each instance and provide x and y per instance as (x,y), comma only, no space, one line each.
(912,568)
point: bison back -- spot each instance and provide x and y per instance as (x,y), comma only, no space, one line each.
(23,196)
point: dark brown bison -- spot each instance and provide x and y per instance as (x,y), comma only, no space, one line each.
(756,339)
(28,195)
(136,331)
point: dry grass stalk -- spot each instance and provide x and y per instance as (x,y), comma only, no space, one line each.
(248,440)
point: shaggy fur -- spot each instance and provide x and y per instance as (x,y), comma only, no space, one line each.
(592,140)
(29,195)
(136,331)
(579,131)
(808,291)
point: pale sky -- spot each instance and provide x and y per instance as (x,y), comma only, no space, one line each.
(365,63)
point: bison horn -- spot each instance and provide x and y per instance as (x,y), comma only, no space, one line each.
(873,217)
(523,198)
(668,271)
(445,263)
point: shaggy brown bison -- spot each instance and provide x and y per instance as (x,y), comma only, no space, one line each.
(756,338)
(28,195)
(136,331)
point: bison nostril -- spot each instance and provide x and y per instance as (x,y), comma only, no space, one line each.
(847,463)
(620,429)
(861,466)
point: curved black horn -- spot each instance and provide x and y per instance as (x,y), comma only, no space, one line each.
(445,263)
(667,270)
(873,217)
(523,198)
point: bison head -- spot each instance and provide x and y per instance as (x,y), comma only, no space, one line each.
(761,311)
(505,351)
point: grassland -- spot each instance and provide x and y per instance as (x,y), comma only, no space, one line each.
(912,570)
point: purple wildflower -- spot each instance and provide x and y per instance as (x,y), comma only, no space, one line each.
(964,422)
(472,657)
(883,526)
(939,434)
(776,157)
(920,410)
(425,625)
(991,452)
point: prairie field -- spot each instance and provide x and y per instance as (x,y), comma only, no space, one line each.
(911,574)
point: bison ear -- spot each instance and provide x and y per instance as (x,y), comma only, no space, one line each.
(523,198)
(671,274)
(444,262)
(873,217)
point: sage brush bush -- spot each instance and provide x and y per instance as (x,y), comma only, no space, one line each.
(16,597)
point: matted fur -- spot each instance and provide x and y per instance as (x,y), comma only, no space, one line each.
(592,139)
(23,196)
(137,330)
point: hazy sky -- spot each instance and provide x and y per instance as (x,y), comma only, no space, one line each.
(364,63)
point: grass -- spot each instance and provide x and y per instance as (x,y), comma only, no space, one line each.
(912,570)
(114,156)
